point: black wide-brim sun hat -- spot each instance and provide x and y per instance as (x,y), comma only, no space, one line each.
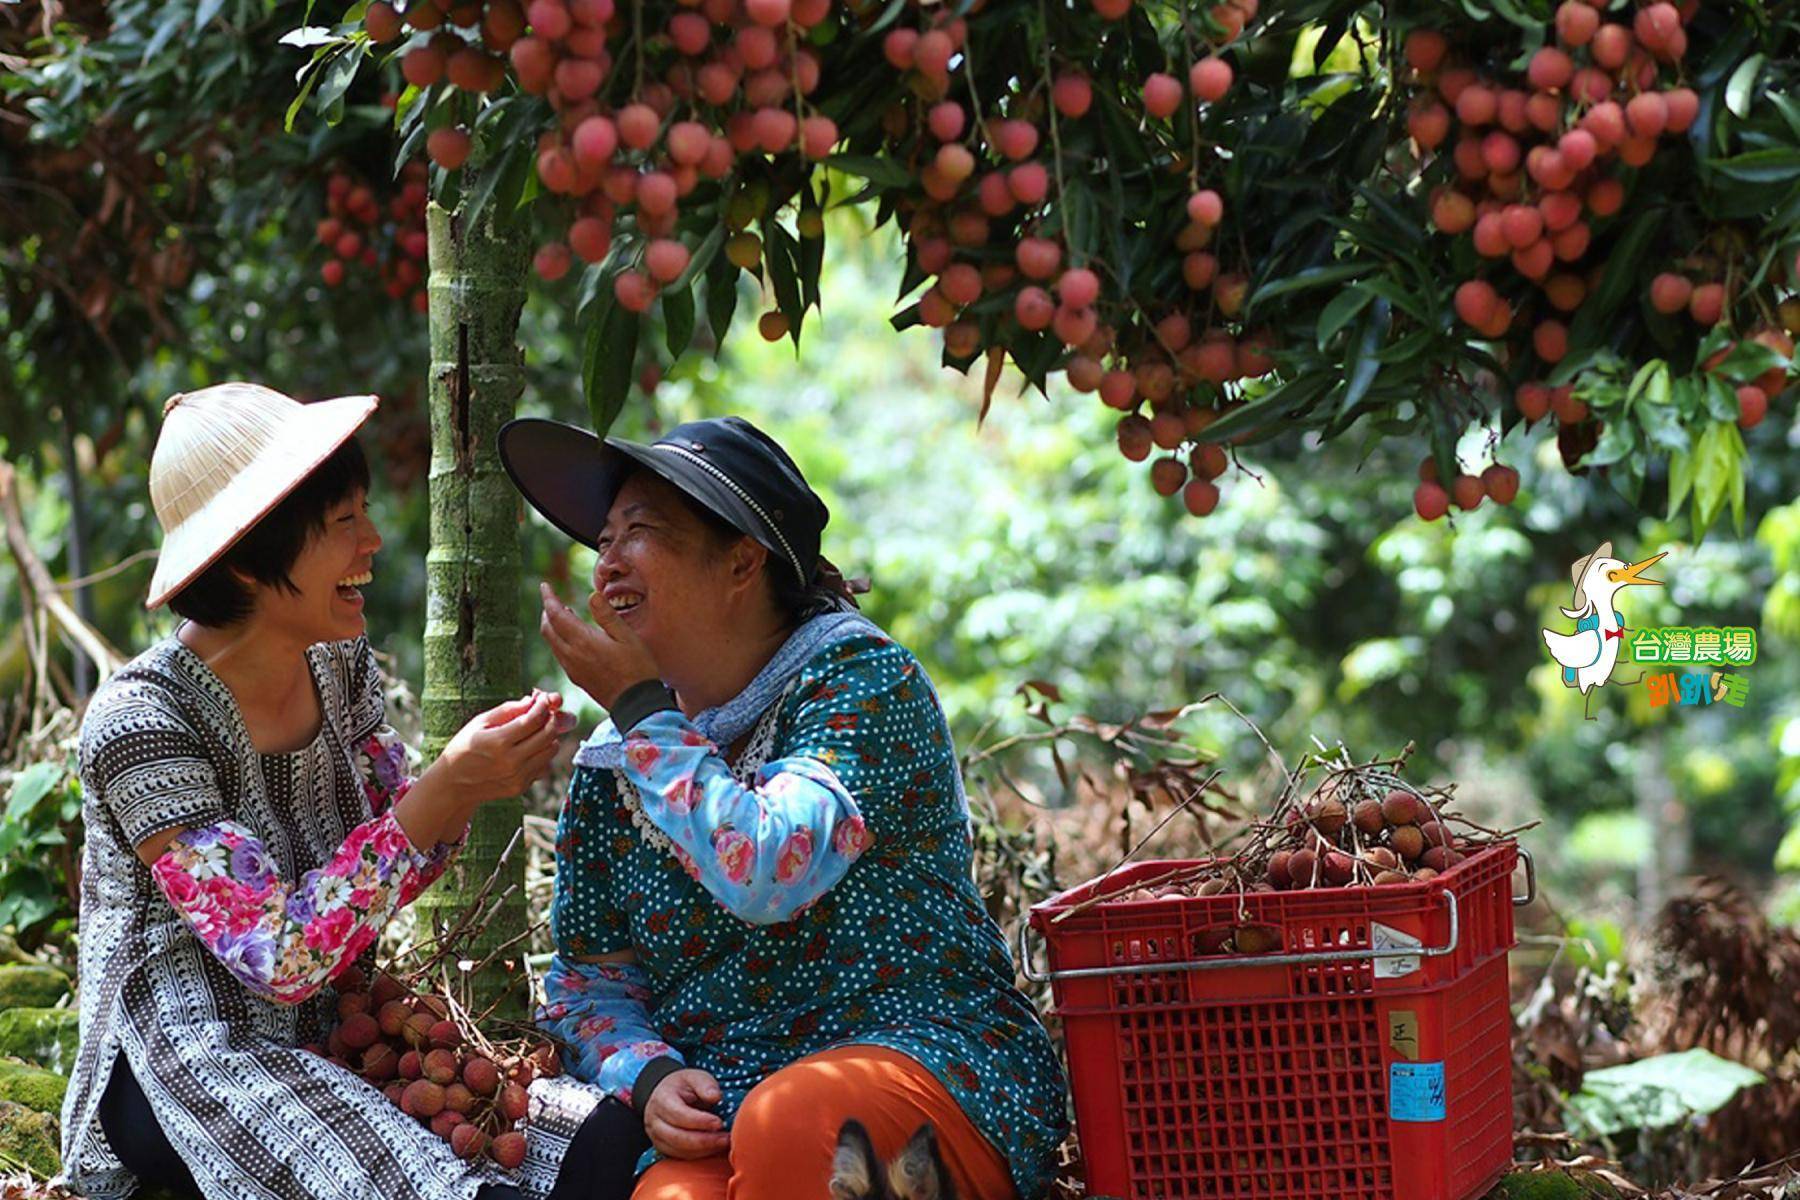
(726,463)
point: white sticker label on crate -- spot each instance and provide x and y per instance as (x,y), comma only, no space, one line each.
(1386,937)
(1416,1091)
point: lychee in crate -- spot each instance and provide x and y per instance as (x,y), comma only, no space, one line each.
(1239,1031)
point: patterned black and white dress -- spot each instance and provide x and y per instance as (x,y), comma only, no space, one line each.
(254,1116)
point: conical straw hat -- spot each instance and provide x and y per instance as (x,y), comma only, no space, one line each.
(226,455)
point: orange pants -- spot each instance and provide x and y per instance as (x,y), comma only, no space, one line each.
(784,1136)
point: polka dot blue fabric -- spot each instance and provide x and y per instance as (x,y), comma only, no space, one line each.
(900,952)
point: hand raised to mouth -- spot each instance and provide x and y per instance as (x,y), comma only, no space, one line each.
(602,659)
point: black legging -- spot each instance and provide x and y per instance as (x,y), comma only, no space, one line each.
(601,1163)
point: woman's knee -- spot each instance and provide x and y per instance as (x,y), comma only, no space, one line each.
(785,1128)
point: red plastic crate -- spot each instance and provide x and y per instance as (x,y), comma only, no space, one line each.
(1332,1069)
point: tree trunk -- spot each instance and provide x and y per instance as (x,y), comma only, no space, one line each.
(472,636)
(77,544)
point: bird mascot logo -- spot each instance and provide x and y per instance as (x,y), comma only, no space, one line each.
(1588,655)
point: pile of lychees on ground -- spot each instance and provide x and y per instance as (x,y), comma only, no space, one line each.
(469,1090)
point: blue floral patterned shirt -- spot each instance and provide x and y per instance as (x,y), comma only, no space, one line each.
(828,902)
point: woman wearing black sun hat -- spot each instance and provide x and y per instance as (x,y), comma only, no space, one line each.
(764,916)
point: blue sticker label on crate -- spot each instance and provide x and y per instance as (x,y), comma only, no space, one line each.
(1416,1091)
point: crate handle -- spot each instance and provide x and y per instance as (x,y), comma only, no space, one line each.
(1530,880)
(1252,960)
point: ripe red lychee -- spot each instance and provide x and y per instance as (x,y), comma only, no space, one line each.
(1039,258)
(422,1098)
(1439,858)
(1407,841)
(1576,22)
(1550,68)
(1401,808)
(1207,460)
(382,22)
(1670,293)
(467,1141)
(1424,50)
(1209,79)
(440,1066)
(1501,483)
(1476,303)
(508,1149)
(1328,816)
(1200,496)
(359,1030)
(1162,95)
(1302,868)
(1206,207)
(1707,303)
(1134,437)
(392,1017)
(1532,400)
(1430,501)
(1367,816)
(1568,410)
(1277,870)
(1167,475)
(1034,308)
(1753,405)
(1073,95)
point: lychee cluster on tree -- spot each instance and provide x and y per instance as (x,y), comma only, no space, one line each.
(1486,218)
(375,227)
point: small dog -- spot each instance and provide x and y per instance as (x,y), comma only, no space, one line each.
(917,1173)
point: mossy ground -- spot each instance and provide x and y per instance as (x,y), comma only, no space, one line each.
(45,1037)
(23,986)
(32,1087)
(1551,1185)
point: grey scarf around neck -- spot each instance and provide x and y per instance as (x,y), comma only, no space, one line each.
(731,720)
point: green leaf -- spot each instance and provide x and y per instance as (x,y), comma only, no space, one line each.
(781,252)
(1271,406)
(1595,315)
(1642,379)
(309,77)
(204,14)
(678,319)
(1654,1093)
(1741,89)
(721,299)
(1311,277)
(29,786)
(608,356)
(1616,442)
(1340,311)
(1790,112)
(1365,362)
(702,257)
(1760,166)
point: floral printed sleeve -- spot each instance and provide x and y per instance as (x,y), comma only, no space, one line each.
(381,762)
(767,851)
(601,1012)
(284,940)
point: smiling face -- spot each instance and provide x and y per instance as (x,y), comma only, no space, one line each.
(334,563)
(669,575)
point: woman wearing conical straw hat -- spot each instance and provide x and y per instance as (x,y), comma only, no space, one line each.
(252,826)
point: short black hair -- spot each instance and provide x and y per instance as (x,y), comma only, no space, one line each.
(216,597)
